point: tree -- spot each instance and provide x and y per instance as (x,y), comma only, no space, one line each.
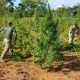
(9,5)
(46,43)
(20,11)
(2,7)
(30,6)
(9,1)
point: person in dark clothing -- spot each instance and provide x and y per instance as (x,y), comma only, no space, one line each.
(8,33)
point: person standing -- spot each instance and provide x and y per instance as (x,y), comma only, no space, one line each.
(73,29)
(8,33)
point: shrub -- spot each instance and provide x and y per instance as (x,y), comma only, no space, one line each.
(45,44)
(15,57)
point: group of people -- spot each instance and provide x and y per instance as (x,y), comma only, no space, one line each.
(8,33)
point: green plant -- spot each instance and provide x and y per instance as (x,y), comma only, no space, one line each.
(46,44)
(15,57)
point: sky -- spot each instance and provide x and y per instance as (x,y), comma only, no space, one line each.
(58,3)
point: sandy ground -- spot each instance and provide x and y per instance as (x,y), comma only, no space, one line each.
(69,69)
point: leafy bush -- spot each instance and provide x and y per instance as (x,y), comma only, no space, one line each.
(45,44)
(15,57)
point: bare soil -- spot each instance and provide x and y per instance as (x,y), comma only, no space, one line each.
(69,69)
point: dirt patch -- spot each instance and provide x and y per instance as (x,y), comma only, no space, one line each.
(69,69)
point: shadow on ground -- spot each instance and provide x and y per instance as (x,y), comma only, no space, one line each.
(75,48)
(70,63)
